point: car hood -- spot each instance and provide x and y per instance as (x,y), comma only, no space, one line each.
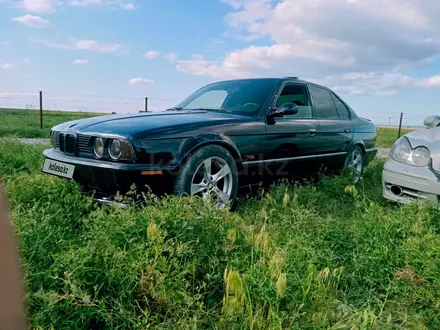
(430,138)
(137,124)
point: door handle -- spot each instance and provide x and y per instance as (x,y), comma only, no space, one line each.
(347,130)
(312,131)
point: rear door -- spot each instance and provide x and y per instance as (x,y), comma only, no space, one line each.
(336,128)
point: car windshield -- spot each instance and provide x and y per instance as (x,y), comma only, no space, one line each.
(245,96)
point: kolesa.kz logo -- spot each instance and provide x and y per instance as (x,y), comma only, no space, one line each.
(58,168)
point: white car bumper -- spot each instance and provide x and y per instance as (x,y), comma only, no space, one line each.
(403,183)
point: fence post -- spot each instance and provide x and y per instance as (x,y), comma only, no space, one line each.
(400,124)
(41,109)
(146,104)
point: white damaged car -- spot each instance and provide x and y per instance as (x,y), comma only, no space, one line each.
(413,168)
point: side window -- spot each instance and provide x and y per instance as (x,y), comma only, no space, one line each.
(210,100)
(325,107)
(297,94)
(343,112)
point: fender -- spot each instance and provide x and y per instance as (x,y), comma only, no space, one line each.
(359,142)
(369,153)
(193,143)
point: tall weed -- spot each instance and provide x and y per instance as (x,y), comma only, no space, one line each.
(326,256)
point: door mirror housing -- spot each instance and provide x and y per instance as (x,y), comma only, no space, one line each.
(289,108)
(432,121)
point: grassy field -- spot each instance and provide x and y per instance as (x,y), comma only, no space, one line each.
(386,136)
(328,256)
(26,123)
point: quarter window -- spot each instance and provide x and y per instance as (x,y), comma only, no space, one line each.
(343,112)
(325,107)
(298,95)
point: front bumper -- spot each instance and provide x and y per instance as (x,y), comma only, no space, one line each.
(55,155)
(108,178)
(404,183)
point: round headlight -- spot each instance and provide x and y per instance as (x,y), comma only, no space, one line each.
(115,149)
(99,147)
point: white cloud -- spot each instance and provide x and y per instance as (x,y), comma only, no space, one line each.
(373,83)
(433,81)
(96,46)
(151,54)
(128,6)
(84,3)
(202,67)
(6,66)
(330,38)
(140,81)
(172,57)
(80,62)
(89,45)
(33,21)
(39,6)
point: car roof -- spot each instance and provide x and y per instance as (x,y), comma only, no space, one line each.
(278,79)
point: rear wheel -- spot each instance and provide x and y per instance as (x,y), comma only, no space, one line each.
(209,172)
(355,163)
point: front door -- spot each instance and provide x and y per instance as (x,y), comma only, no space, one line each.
(336,132)
(292,142)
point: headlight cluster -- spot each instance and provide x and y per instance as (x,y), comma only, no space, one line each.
(116,149)
(404,153)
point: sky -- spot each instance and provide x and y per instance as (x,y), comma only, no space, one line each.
(381,56)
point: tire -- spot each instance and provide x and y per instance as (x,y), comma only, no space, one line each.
(193,179)
(355,163)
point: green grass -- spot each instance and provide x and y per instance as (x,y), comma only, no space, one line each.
(26,123)
(386,136)
(329,256)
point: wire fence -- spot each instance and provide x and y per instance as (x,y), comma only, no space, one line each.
(80,102)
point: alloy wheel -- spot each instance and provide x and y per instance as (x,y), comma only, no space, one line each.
(213,178)
(355,165)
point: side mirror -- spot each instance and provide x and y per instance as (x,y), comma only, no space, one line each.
(285,109)
(432,121)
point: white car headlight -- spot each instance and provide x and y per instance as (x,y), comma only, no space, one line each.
(99,147)
(115,149)
(403,153)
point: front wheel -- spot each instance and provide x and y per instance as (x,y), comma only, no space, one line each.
(209,172)
(355,163)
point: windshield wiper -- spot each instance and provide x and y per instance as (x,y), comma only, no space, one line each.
(174,109)
(206,109)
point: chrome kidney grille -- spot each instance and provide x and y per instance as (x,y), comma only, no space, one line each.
(73,144)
